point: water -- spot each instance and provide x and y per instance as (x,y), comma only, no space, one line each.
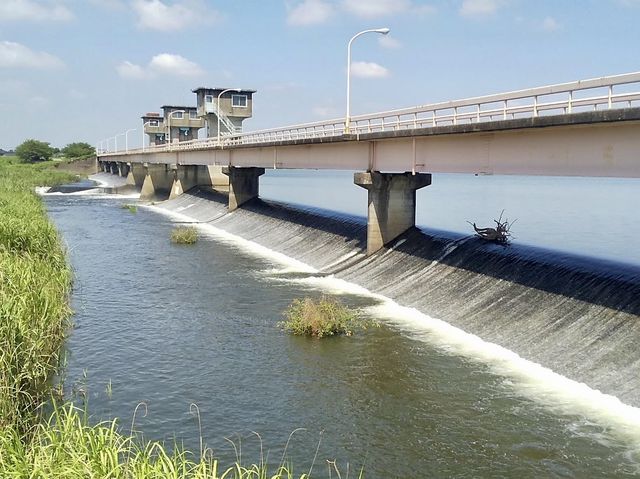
(597,217)
(175,326)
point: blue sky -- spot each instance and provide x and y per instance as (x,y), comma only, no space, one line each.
(82,70)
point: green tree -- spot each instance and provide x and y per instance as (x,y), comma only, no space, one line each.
(78,150)
(34,150)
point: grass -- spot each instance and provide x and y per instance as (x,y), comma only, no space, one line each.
(130,207)
(67,446)
(35,282)
(319,318)
(184,235)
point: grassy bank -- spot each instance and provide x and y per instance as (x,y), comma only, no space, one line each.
(35,283)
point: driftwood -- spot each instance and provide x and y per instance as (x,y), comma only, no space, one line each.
(500,234)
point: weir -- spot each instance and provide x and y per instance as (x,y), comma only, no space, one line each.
(576,316)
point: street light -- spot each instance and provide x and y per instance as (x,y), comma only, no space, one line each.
(347,120)
(169,123)
(218,107)
(126,139)
(115,140)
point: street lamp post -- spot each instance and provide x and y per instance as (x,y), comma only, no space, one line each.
(126,139)
(169,123)
(115,140)
(347,120)
(218,107)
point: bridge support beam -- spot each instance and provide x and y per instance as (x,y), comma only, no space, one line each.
(158,181)
(190,176)
(243,184)
(123,169)
(392,204)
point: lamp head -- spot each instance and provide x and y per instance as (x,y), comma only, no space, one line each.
(384,31)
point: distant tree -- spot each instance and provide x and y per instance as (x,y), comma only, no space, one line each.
(78,150)
(34,150)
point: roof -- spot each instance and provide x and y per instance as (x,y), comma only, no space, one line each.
(172,107)
(219,89)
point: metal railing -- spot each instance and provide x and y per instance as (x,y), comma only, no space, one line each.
(565,98)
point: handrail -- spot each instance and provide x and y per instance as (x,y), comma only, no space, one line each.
(530,103)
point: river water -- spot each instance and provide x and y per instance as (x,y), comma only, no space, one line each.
(175,326)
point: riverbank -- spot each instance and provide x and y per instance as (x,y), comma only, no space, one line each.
(35,284)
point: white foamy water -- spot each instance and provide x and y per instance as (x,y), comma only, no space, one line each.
(531,380)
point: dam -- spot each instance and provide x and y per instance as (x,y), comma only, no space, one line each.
(487,360)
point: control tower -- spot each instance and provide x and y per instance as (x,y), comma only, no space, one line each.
(235,106)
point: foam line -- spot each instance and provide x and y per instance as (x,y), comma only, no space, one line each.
(556,392)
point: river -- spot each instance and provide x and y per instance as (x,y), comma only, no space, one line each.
(173,326)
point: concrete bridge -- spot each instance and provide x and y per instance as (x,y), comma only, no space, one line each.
(583,128)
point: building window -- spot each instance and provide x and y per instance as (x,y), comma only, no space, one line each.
(154,123)
(239,101)
(208,98)
(193,115)
(178,115)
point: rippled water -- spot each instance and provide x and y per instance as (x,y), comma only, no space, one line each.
(174,326)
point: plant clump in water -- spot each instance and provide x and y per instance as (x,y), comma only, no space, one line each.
(130,207)
(184,235)
(319,318)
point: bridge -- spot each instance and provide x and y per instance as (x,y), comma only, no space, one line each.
(583,128)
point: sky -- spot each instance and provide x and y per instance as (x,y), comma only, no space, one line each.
(85,70)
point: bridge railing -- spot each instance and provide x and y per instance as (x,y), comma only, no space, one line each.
(611,92)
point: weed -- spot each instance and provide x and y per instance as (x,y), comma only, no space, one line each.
(184,235)
(319,318)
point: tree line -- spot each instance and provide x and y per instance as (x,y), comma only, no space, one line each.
(32,151)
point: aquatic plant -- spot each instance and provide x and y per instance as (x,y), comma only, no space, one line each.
(319,318)
(184,235)
(132,208)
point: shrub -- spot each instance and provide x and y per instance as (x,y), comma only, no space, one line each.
(130,207)
(184,235)
(78,150)
(31,151)
(319,318)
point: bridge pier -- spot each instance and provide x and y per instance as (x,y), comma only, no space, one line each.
(136,175)
(158,181)
(190,176)
(243,184)
(123,169)
(392,204)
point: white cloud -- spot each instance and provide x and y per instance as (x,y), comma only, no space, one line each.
(386,41)
(550,24)
(368,70)
(158,15)
(17,10)
(376,8)
(132,71)
(170,64)
(160,65)
(309,12)
(15,55)
(472,8)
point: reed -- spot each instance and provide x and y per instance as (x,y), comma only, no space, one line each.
(184,235)
(319,318)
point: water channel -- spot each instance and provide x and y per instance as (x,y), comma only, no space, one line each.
(173,326)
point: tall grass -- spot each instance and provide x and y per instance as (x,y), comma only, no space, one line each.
(319,318)
(35,281)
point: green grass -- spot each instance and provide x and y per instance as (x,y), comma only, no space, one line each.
(67,446)
(319,318)
(35,282)
(130,207)
(184,235)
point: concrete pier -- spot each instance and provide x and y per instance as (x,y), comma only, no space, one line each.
(243,184)
(391,204)
(123,169)
(157,182)
(136,175)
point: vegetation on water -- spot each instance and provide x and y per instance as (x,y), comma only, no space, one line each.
(319,318)
(128,206)
(184,235)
